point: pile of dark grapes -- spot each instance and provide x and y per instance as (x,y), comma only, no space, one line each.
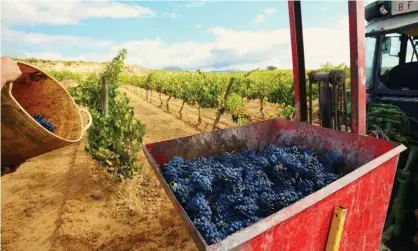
(43,122)
(226,193)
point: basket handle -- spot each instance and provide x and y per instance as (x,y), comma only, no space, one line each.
(81,109)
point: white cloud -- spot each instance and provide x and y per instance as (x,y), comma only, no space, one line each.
(67,12)
(194,4)
(172,15)
(270,11)
(242,42)
(259,18)
(246,50)
(90,57)
(230,49)
(10,36)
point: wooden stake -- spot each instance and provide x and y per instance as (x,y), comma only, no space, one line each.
(221,109)
(105,95)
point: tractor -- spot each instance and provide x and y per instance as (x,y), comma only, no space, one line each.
(392,83)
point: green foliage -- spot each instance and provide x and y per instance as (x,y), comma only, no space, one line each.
(115,138)
(38,60)
(286,112)
(235,105)
(242,120)
(65,75)
(282,90)
(206,90)
(271,68)
(88,93)
(31,60)
(135,80)
(391,120)
(210,89)
(259,86)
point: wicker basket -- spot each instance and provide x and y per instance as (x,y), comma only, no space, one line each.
(35,92)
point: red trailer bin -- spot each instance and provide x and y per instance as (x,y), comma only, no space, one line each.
(364,190)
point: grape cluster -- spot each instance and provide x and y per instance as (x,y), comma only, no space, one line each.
(44,122)
(226,193)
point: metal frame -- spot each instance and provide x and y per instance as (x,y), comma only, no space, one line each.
(357,66)
(357,63)
(298,59)
(393,24)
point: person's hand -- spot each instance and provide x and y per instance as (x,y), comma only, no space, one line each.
(10,71)
(9,169)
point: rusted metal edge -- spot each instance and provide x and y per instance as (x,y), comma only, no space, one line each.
(238,238)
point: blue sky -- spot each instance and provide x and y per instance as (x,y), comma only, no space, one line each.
(190,35)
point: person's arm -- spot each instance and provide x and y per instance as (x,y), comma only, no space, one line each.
(10,71)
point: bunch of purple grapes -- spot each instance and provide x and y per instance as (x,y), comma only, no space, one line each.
(226,193)
(44,122)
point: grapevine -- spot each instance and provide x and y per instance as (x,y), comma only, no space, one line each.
(207,89)
(114,138)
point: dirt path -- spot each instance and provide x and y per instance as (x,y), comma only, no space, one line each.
(63,200)
(32,198)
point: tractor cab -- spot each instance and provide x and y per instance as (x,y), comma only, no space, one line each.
(392,56)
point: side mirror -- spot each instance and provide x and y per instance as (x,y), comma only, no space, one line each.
(392,45)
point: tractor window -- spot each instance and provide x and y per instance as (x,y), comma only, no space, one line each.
(391,47)
(410,52)
(396,73)
(370,50)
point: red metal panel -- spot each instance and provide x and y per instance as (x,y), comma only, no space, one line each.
(357,66)
(365,190)
(298,60)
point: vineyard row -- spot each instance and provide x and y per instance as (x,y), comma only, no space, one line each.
(225,92)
